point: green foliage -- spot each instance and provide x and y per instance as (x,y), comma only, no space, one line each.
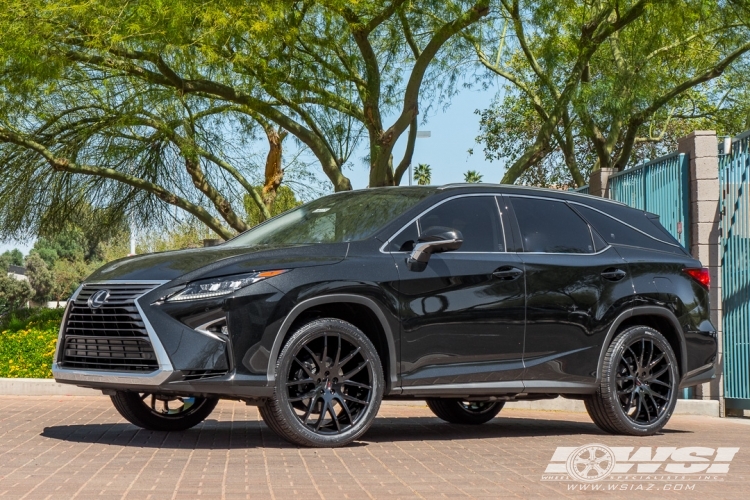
(14,293)
(40,276)
(285,200)
(134,106)
(472,176)
(11,258)
(423,174)
(180,236)
(644,74)
(27,343)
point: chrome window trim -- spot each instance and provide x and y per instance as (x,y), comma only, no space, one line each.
(118,377)
(593,245)
(626,224)
(415,219)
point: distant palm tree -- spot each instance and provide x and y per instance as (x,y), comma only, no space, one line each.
(423,174)
(472,176)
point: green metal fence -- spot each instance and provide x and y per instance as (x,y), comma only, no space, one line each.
(734,170)
(660,187)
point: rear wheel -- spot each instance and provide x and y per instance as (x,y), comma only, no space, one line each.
(163,413)
(329,384)
(640,380)
(458,411)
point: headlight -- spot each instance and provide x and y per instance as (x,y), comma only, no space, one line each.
(217,287)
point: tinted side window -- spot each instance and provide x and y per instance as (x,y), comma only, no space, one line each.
(615,232)
(477,218)
(405,240)
(551,227)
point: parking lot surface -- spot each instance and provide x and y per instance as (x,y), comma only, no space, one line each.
(79,447)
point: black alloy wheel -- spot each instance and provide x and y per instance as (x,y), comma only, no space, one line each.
(639,385)
(163,413)
(459,411)
(329,384)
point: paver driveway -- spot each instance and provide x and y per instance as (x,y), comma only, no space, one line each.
(65,447)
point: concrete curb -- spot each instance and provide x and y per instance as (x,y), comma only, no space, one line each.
(41,387)
(48,387)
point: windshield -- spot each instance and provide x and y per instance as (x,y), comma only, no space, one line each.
(341,217)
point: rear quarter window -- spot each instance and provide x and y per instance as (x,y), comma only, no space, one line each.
(616,232)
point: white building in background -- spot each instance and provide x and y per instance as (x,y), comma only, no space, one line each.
(17,273)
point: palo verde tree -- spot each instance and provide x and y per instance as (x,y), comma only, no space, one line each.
(592,83)
(326,72)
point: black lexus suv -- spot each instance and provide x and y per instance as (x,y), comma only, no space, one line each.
(467,296)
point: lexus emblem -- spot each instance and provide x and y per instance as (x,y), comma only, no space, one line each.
(98,299)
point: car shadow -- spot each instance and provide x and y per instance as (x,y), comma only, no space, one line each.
(213,434)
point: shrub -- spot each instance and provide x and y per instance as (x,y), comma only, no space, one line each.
(27,343)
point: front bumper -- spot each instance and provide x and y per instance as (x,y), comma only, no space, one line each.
(179,351)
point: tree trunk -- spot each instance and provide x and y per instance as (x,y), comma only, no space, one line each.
(274,172)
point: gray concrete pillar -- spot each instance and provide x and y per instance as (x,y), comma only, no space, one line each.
(701,147)
(599,182)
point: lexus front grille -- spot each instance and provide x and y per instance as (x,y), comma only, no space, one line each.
(111,336)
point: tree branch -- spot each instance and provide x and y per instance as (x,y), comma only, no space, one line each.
(65,165)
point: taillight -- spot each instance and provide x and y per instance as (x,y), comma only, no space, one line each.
(700,275)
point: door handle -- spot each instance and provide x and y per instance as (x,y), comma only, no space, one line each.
(613,274)
(507,273)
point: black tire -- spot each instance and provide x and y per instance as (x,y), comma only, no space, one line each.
(640,380)
(185,413)
(337,367)
(458,411)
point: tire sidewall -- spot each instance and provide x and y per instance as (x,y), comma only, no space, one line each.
(304,335)
(623,341)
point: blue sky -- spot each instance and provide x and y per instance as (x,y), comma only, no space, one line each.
(446,151)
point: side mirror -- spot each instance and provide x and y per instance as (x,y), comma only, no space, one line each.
(433,240)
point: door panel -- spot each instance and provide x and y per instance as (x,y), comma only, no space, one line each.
(460,323)
(463,316)
(569,306)
(574,285)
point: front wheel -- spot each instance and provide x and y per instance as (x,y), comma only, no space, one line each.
(329,384)
(163,413)
(640,380)
(458,411)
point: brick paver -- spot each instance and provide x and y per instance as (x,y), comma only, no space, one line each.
(79,447)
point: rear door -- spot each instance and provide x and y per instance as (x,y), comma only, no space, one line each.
(463,316)
(574,282)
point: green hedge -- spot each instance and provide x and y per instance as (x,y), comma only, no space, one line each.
(27,343)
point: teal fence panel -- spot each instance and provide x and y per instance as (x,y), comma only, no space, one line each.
(734,171)
(660,187)
(583,189)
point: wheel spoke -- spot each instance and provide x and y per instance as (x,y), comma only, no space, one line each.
(310,407)
(660,373)
(356,370)
(314,357)
(306,395)
(145,395)
(357,384)
(656,361)
(325,349)
(338,351)
(335,417)
(659,382)
(345,406)
(300,382)
(643,349)
(304,367)
(353,399)
(656,406)
(322,416)
(153,402)
(349,357)
(625,391)
(645,405)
